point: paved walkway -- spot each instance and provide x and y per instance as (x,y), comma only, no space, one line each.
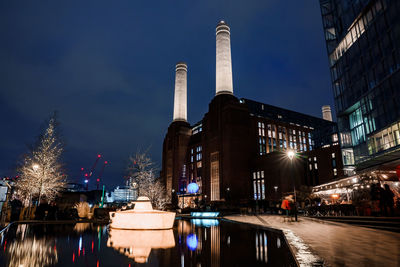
(336,243)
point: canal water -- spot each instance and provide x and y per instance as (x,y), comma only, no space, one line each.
(196,242)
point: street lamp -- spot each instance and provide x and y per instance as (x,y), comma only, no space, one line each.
(35,167)
(291,155)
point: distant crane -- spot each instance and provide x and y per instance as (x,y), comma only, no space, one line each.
(88,175)
(100,174)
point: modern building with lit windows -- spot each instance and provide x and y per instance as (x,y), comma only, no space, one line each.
(363,45)
(237,153)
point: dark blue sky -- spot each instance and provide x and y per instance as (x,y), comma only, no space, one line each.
(108,68)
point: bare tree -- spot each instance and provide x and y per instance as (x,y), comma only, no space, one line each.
(141,170)
(41,174)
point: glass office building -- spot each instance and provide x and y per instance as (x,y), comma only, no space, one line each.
(363,44)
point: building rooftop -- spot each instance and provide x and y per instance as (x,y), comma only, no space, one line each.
(285,115)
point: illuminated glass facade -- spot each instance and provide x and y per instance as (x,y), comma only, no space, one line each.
(363,44)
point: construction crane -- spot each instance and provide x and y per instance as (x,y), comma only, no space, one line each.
(100,174)
(88,175)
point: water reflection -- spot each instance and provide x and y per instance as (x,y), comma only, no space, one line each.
(81,227)
(205,222)
(262,246)
(137,244)
(32,252)
(190,243)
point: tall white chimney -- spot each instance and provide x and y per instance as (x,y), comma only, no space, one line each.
(180,99)
(223,81)
(326,113)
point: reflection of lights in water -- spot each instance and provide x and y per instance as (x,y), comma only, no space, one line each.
(81,227)
(137,244)
(182,260)
(80,243)
(32,252)
(192,242)
(205,222)
(262,247)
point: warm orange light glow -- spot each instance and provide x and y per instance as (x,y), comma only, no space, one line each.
(335,196)
(142,217)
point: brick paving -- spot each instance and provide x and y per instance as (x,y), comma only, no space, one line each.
(336,243)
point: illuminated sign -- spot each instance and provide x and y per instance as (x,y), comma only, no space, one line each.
(204,214)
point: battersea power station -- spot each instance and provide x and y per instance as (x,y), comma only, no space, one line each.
(237,153)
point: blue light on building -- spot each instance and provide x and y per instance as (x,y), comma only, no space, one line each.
(193,188)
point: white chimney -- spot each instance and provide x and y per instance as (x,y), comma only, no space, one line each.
(180,99)
(223,79)
(326,113)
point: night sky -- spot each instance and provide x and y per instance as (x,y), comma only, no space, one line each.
(108,68)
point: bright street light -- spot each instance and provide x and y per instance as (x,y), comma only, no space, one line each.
(290,154)
(35,167)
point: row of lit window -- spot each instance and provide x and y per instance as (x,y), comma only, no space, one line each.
(354,33)
(258,185)
(198,155)
(282,138)
(197,129)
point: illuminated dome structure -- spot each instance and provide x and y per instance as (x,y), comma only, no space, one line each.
(142,217)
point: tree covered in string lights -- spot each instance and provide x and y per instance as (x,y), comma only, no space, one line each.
(141,170)
(41,171)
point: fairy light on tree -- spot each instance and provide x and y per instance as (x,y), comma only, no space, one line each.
(41,172)
(141,170)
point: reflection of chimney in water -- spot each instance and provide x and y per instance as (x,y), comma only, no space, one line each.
(326,113)
(215,246)
(223,77)
(180,99)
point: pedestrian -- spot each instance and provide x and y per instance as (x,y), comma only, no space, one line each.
(292,207)
(375,196)
(388,200)
(381,202)
(286,207)
(16,206)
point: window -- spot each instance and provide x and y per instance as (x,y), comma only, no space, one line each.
(333,155)
(334,172)
(197,129)
(199,153)
(357,127)
(261,139)
(258,185)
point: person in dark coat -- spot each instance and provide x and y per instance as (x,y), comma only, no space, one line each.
(375,199)
(16,206)
(388,200)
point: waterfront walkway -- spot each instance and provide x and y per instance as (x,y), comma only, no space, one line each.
(336,244)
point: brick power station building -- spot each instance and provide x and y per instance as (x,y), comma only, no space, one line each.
(238,152)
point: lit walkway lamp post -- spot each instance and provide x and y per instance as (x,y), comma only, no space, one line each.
(291,155)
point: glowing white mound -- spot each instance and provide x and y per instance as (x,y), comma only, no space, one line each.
(142,217)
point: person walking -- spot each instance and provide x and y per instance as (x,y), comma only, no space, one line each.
(388,200)
(286,208)
(375,196)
